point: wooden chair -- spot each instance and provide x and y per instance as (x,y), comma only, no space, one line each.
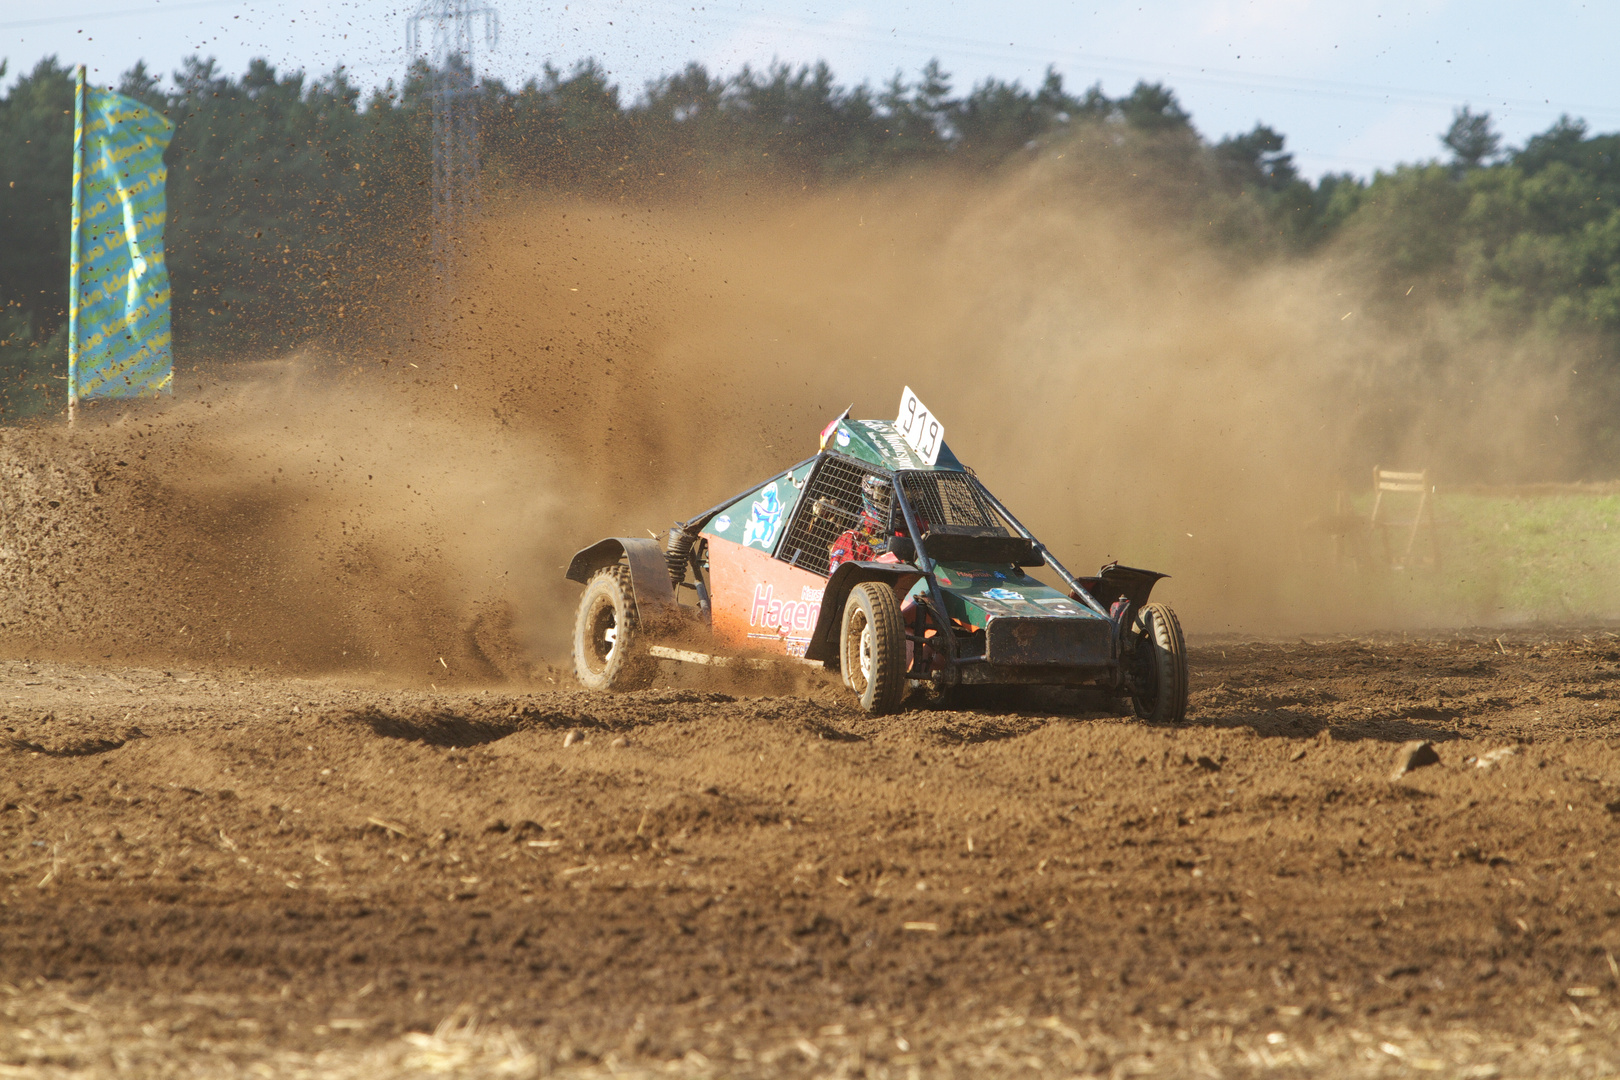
(1384,518)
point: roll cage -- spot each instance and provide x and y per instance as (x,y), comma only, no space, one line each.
(948,515)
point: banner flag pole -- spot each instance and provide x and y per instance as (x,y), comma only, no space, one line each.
(73,256)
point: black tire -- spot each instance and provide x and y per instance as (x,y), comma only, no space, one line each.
(872,647)
(1160,671)
(605,633)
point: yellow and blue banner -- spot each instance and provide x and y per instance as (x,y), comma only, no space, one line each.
(119,337)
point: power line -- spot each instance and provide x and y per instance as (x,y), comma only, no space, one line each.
(453,36)
(1190,73)
(1137,67)
(1095,64)
(94,15)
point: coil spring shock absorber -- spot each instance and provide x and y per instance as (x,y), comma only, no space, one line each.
(677,552)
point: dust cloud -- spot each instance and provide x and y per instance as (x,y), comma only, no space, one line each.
(408,510)
(1127,390)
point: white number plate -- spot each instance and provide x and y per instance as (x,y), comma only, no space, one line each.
(922,432)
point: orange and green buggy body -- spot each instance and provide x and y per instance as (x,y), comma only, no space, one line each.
(884,558)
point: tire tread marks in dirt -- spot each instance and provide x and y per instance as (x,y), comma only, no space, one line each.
(435,728)
(74,748)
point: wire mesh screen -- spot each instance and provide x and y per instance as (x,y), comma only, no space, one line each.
(831,505)
(948,498)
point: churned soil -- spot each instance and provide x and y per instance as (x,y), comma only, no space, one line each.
(220,872)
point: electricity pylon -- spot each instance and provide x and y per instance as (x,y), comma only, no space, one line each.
(452,34)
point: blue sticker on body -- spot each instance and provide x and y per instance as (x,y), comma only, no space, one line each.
(842,438)
(722,523)
(1002,594)
(765,518)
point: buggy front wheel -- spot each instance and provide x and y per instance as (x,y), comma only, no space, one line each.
(1159,674)
(872,649)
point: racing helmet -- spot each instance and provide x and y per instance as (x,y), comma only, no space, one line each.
(877,494)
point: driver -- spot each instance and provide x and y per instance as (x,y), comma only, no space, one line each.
(872,534)
(861,543)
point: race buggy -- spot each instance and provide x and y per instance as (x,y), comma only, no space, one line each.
(884,558)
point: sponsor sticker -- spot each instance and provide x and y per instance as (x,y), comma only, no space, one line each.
(897,446)
(765,518)
(791,619)
(842,437)
(1062,607)
(722,523)
(826,432)
(1005,595)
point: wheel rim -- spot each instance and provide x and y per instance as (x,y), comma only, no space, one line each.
(860,664)
(866,654)
(1147,666)
(604,636)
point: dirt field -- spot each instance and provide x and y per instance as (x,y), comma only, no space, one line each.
(214,872)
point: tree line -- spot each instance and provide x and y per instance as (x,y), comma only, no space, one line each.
(275,177)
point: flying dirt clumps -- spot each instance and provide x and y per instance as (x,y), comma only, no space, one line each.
(66,559)
(276,518)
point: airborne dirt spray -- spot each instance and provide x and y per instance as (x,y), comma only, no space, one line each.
(1125,389)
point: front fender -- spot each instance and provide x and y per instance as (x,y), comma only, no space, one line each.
(649,572)
(1125,590)
(1129,583)
(823,644)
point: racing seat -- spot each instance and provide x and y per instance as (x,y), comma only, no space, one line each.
(1391,500)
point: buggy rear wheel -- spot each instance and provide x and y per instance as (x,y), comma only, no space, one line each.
(605,633)
(1159,675)
(872,647)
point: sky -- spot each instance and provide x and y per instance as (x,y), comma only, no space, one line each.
(1354,85)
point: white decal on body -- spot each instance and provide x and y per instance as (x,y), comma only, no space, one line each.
(789,618)
(897,447)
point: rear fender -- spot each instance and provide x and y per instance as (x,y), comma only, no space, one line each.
(824,638)
(649,573)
